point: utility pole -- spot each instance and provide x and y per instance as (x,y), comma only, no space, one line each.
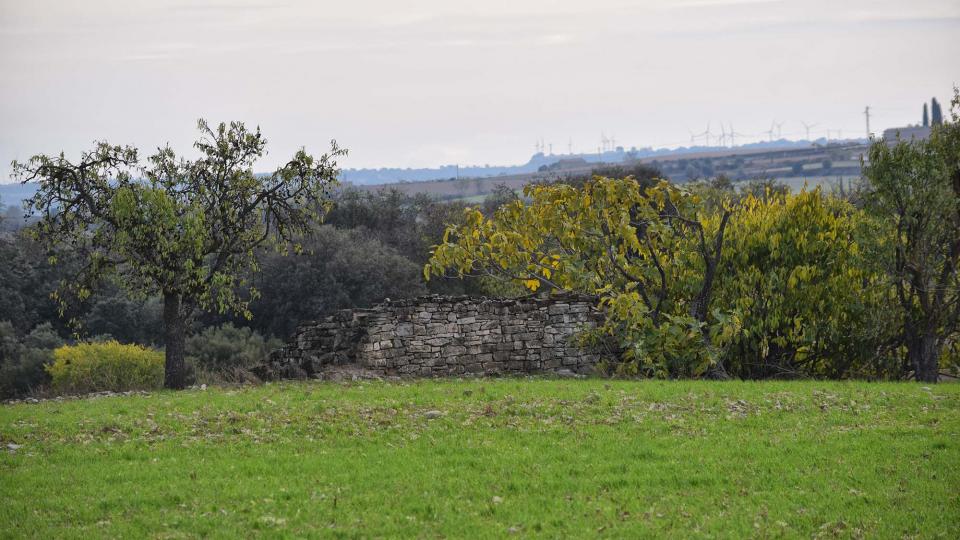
(866,112)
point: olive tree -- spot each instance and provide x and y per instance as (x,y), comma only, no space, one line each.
(186,229)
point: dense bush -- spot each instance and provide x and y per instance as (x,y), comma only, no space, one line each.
(112,313)
(226,347)
(408,225)
(94,367)
(27,278)
(798,271)
(23,361)
(337,269)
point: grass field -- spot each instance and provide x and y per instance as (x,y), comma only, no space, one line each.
(550,458)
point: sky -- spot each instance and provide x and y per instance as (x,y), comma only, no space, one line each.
(424,83)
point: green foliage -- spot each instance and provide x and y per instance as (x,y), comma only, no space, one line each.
(128,320)
(95,367)
(23,360)
(27,279)
(408,225)
(336,269)
(188,228)
(916,185)
(804,289)
(225,347)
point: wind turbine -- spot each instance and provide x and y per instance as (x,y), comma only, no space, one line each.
(723,135)
(807,127)
(705,134)
(779,125)
(772,129)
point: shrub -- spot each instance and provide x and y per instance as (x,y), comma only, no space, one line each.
(337,269)
(226,347)
(801,273)
(23,361)
(94,367)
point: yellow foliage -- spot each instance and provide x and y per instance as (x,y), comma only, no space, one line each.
(94,367)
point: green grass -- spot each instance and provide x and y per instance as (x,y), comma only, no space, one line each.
(546,458)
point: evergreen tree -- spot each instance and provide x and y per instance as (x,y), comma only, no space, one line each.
(936,115)
(926,117)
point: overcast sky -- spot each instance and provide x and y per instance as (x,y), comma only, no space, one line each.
(431,82)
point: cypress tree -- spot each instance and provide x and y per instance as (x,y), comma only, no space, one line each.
(926,118)
(936,115)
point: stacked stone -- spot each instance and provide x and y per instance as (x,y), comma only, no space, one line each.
(316,345)
(437,335)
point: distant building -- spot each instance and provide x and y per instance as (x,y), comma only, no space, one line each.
(907,133)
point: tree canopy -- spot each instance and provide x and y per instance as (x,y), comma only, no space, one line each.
(916,184)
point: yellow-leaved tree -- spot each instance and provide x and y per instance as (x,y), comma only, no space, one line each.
(803,274)
(649,254)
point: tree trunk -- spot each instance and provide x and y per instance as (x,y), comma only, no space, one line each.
(174,333)
(923,351)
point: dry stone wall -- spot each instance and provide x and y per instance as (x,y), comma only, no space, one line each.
(437,335)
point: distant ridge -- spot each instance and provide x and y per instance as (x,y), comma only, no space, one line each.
(390,175)
(13,194)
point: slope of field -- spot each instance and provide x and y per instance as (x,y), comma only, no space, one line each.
(487,458)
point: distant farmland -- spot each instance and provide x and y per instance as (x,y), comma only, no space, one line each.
(819,165)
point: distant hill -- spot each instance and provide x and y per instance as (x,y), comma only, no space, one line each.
(14,194)
(540,162)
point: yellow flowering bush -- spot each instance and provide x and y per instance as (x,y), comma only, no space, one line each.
(95,367)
